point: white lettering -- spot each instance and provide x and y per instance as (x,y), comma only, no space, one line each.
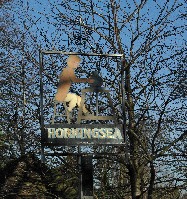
(118,134)
(66,133)
(72,133)
(85,133)
(79,133)
(95,133)
(110,133)
(59,133)
(51,132)
(102,133)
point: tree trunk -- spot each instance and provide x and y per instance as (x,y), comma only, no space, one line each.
(135,179)
(151,184)
(135,182)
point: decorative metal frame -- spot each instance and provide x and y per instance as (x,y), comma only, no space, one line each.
(57,142)
(44,52)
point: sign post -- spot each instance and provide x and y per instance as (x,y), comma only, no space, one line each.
(82,134)
(86,177)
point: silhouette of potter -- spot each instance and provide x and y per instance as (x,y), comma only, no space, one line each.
(67,77)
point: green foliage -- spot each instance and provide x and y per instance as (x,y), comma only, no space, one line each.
(4,146)
(64,182)
(166,192)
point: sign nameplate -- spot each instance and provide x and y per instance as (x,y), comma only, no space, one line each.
(77,134)
(84,133)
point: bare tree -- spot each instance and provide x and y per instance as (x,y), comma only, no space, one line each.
(152,45)
(151,35)
(20,105)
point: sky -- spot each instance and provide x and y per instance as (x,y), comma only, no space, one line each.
(39,16)
(42,19)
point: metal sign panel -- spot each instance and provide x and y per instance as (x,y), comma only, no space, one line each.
(81,134)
